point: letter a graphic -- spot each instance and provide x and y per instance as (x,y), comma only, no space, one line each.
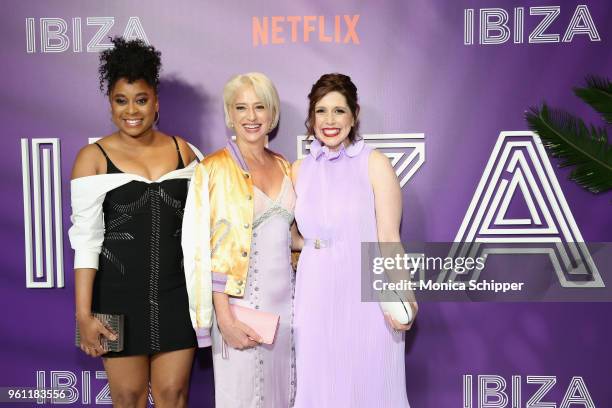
(519,164)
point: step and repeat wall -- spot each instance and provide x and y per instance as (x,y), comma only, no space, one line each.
(443,86)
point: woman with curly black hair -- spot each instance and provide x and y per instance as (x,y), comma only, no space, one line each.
(128,193)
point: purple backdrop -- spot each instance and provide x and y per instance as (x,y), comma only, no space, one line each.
(414,74)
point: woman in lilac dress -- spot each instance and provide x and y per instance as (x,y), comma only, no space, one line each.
(348,353)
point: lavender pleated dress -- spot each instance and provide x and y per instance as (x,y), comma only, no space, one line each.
(263,376)
(346,355)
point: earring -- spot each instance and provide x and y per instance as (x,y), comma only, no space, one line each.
(231,125)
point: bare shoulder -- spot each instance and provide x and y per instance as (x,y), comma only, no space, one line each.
(186,152)
(295,168)
(88,162)
(379,168)
(378,160)
(106,142)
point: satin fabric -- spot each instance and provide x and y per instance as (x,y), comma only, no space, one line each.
(217,229)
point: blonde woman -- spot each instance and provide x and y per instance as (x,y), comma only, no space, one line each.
(250,197)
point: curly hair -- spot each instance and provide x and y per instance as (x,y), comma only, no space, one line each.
(132,60)
(333,83)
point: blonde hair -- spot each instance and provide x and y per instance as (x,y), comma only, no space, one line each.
(264,89)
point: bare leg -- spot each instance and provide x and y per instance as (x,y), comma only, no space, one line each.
(170,372)
(128,378)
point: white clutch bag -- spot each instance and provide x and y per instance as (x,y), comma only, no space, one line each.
(398,310)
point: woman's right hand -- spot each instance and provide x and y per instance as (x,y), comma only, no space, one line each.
(238,335)
(91,329)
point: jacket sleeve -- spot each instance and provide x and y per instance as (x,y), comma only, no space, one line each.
(195,241)
(87,231)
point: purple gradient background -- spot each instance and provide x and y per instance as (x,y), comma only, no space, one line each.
(414,75)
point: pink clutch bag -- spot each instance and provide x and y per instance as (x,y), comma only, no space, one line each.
(263,323)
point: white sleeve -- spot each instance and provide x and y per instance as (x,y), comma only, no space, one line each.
(195,240)
(87,231)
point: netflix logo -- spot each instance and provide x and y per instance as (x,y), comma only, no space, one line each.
(303,29)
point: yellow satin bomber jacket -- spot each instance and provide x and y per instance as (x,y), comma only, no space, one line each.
(230,191)
(216,233)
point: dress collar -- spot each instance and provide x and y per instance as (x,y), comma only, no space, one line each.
(317,150)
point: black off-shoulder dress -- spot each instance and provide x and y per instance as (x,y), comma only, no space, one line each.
(140,273)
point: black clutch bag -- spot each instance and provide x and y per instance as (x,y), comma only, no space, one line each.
(112,322)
